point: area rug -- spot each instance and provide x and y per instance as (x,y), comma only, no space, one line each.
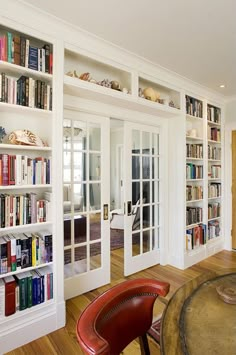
(155,330)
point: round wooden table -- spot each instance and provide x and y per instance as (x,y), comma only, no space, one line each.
(197,321)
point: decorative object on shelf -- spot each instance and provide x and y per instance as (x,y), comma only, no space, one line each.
(151,94)
(227,293)
(85,76)
(140,92)
(172,104)
(2,133)
(73,74)
(25,137)
(115,85)
(105,82)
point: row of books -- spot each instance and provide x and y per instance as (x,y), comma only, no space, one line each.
(213,229)
(193,106)
(19,169)
(23,209)
(194,192)
(214,172)
(213,114)
(193,215)
(25,91)
(194,171)
(196,236)
(22,250)
(25,290)
(213,134)
(214,210)
(214,152)
(20,51)
(194,151)
(214,189)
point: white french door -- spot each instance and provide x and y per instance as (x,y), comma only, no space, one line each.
(86,202)
(142,197)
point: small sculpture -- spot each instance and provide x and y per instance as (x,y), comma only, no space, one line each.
(2,133)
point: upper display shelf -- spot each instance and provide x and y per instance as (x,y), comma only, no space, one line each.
(83,73)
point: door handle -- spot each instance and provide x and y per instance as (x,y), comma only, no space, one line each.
(105,212)
(129,208)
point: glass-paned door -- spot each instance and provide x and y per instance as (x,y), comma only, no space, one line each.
(142,198)
(86,195)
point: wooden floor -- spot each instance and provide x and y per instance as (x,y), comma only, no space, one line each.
(64,340)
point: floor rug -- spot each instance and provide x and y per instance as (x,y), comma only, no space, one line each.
(155,329)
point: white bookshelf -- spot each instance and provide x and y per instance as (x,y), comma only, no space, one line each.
(40,121)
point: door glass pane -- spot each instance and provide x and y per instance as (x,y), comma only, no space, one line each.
(146,241)
(146,167)
(146,192)
(80,253)
(135,167)
(67,167)
(95,226)
(136,244)
(79,166)
(95,196)
(94,137)
(146,142)
(80,228)
(135,192)
(79,135)
(155,143)
(155,215)
(146,216)
(95,256)
(135,141)
(67,256)
(94,166)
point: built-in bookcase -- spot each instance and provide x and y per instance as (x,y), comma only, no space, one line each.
(195,192)
(203,179)
(214,171)
(27,240)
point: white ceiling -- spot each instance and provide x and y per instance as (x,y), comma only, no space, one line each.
(194,38)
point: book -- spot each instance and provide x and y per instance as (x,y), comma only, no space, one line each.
(10,295)
(16,55)
(3,256)
(21,280)
(2,299)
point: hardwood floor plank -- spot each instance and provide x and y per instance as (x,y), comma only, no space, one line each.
(64,342)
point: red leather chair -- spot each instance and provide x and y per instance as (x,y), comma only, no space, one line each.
(118,316)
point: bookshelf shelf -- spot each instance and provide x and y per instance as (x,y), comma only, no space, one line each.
(24,148)
(210,123)
(25,187)
(17,70)
(194,118)
(213,142)
(13,108)
(194,138)
(213,219)
(193,201)
(25,227)
(25,269)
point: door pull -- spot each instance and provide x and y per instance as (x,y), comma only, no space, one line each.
(129,208)
(105,212)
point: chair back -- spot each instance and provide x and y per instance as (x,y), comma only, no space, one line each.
(118,316)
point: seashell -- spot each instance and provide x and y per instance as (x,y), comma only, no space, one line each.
(125,90)
(115,85)
(25,137)
(85,76)
(151,94)
(92,81)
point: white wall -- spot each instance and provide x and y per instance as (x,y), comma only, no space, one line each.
(230,125)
